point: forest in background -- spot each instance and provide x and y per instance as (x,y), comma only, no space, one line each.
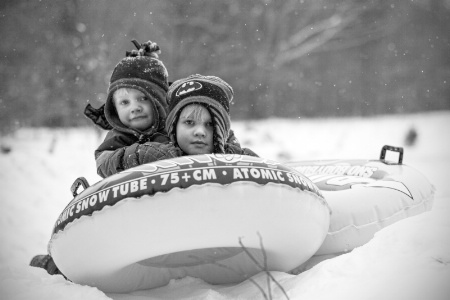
(290,59)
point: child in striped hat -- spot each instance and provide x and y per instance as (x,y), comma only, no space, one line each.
(198,121)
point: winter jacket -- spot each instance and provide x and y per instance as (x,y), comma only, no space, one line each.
(124,148)
(231,148)
(120,151)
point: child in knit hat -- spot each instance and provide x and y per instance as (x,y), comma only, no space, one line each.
(135,115)
(199,121)
(134,112)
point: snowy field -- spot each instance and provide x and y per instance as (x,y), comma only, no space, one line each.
(408,260)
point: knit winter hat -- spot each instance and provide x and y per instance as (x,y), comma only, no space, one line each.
(141,70)
(209,91)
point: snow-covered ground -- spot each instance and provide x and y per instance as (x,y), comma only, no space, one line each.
(407,260)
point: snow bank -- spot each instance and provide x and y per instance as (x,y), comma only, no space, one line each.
(407,260)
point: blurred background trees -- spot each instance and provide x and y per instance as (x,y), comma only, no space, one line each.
(291,58)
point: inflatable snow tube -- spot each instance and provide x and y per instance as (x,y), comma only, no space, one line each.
(364,196)
(204,216)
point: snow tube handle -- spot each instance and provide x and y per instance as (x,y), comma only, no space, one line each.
(76,184)
(394,149)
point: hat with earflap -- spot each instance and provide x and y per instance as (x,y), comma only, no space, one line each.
(211,92)
(142,70)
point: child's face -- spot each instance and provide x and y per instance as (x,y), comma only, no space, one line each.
(195,130)
(135,110)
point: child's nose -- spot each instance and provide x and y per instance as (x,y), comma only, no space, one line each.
(200,131)
(136,108)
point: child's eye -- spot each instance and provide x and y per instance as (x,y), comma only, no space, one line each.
(143,99)
(209,124)
(189,122)
(124,102)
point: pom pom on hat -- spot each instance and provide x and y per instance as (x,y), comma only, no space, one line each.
(210,91)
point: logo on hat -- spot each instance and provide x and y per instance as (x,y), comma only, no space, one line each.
(188,87)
